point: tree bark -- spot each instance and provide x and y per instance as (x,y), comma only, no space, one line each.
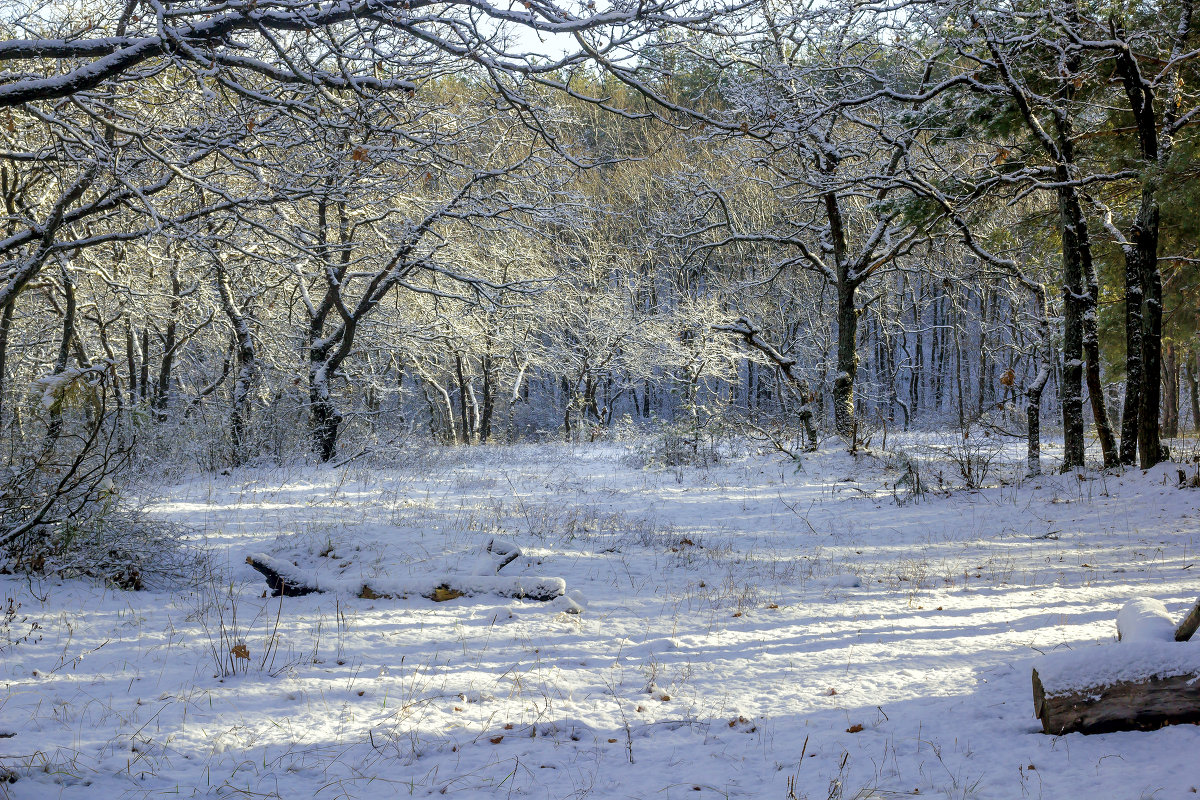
(1091,349)
(6,318)
(1074,307)
(1033,392)
(1193,382)
(1191,622)
(324,417)
(1155,142)
(462,399)
(1121,706)
(847,361)
(1134,379)
(246,357)
(162,387)
(1170,421)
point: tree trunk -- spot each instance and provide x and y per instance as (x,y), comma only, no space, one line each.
(246,357)
(163,386)
(1134,380)
(144,368)
(324,417)
(1145,704)
(918,370)
(489,398)
(1074,307)
(131,361)
(1193,382)
(1033,392)
(6,318)
(1091,349)
(54,425)
(1033,421)
(464,420)
(1155,144)
(847,362)
(1149,431)
(1170,423)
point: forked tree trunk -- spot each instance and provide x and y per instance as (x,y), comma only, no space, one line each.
(246,358)
(1155,142)
(162,387)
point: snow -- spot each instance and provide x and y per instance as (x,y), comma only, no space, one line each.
(749,627)
(1094,667)
(1145,619)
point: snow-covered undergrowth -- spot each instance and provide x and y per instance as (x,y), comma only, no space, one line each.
(751,630)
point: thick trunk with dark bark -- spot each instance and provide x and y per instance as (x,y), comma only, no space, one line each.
(1193,383)
(1091,350)
(1075,304)
(847,362)
(1149,442)
(324,419)
(1170,421)
(462,399)
(131,361)
(488,402)
(1133,356)
(162,387)
(6,317)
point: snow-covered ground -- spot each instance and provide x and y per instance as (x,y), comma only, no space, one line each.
(751,630)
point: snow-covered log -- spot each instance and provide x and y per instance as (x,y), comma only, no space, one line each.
(1189,625)
(288,580)
(284,578)
(1144,619)
(1148,679)
(448,587)
(1119,687)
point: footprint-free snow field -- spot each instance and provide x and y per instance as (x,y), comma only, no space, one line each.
(754,628)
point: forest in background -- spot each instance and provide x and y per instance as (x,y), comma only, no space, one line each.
(254,232)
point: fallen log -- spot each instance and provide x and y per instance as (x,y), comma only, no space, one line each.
(440,589)
(288,580)
(283,578)
(1145,704)
(1144,681)
(1189,625)
(1144,619)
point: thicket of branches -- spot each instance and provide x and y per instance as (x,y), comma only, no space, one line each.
(245,231)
